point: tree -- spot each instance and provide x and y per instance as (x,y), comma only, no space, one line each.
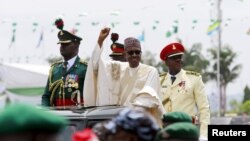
(245,107)
(228,71)
(149,59)
(194,60)
(235,106)
(246,94)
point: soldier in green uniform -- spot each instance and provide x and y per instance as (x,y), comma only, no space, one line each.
(66,78)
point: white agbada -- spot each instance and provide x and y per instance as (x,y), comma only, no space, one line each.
(114,82)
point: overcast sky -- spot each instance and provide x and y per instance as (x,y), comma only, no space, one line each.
(125,12)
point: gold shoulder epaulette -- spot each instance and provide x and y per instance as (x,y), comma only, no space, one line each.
(162,77)
(83,62)
(58,62)
(163,74)
(193,73)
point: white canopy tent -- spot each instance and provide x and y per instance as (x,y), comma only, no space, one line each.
(22,82)
(23,75)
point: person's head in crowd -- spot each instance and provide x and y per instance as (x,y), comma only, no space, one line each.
(21,122)
(179,131)
(129,125)
(69,42)
(172,55)
(85,135)
(132,51)
(173,117)
(100,130)
(117,49)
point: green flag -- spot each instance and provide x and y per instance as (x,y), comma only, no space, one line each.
(13,39)
(168,34)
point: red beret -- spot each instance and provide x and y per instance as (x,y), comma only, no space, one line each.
(172,49)
(117,49)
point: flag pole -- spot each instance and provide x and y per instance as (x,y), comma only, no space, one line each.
(222,97)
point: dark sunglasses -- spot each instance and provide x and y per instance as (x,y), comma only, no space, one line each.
(132,52)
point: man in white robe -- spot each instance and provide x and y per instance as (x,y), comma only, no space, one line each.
(114,82)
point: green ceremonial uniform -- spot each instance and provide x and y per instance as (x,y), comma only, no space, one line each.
(65,89)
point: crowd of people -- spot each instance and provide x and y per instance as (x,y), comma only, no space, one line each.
(23,122)
(161,107)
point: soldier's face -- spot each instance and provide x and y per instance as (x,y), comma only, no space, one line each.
(174,63)
(133,56)
(68,49)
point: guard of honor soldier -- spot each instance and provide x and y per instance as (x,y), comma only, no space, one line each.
(66,78)
(118,53)
(183,90)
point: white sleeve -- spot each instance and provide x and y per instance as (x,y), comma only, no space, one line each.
(203,107)
(96,81)
(154,81)
(95,58)
(90,82)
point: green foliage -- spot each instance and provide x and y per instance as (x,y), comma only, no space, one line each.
(149,59)
(194,61)
(228,72)
(245,107)
(235,106)
(246,94)
(161,67)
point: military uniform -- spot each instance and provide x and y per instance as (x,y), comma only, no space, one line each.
(186,93)
(117,49)
(65,85)
(65,89)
